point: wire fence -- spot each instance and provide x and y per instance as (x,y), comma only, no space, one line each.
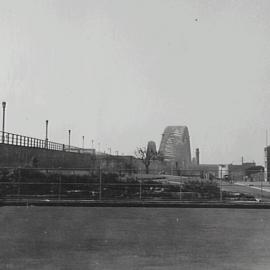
(102,184)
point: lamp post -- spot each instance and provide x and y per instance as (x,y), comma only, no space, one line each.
(92,144)
(83,142)
(3,127)
(46,135)
(69,131)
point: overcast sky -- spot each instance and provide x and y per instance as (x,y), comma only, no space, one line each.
(120,71)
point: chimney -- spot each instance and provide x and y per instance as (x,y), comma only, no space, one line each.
(197,156)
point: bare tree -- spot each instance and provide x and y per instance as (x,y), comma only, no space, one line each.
(146,156)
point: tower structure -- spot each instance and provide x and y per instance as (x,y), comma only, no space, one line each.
(151,149)
(175,146)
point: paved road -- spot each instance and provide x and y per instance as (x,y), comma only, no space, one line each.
(261,192)
(253,188)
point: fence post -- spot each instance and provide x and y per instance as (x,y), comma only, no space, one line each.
(19,182)
(89,183)
(180,195)
(140,189)
(220,185)
(100,183)
(261,178)
(59,187)
(261,191)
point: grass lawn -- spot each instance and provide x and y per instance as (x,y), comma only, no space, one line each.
(133,238)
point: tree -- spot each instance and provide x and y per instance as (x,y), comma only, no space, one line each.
(146,155)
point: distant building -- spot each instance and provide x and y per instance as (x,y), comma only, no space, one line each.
(247,171)
(204,170)
(223,170)
(87,151)
(238,172)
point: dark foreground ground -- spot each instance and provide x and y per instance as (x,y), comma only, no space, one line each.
(133,238)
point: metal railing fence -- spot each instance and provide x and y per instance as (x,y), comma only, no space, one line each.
(26,141)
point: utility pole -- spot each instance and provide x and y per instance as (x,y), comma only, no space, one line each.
(3,127)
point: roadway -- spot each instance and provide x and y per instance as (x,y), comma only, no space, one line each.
(260,190)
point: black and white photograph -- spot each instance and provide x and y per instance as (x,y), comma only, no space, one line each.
(134,134)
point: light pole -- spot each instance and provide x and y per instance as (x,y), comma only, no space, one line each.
(92,144)
(110,150)
(83,142)
(69,131)
(46,135)
(3,127)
